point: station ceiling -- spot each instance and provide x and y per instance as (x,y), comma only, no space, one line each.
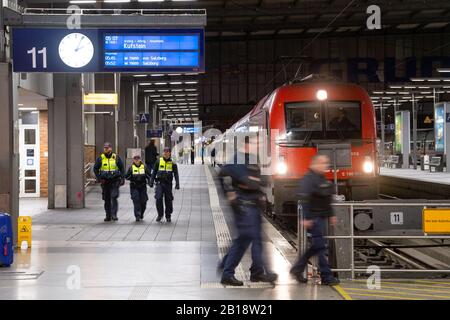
(244,18)
(272,19)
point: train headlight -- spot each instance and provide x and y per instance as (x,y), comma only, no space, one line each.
(322,95)
(368,165)
(282,168)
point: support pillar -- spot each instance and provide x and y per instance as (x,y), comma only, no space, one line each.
(126,119)
(9,145)
(105,127)
(66,144)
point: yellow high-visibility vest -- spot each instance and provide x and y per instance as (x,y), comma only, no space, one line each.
(109,164)
(165,165)
(138,170)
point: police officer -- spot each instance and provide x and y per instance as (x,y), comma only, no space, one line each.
(163,173)
(109,171)
(247,200)
(316,194)
(139,175)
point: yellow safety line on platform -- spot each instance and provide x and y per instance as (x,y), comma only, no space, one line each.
(410,289)
(342,292)
(384,296)
(408,283)
(390,292)
(438,282)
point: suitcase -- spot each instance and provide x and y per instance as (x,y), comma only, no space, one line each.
(6,240)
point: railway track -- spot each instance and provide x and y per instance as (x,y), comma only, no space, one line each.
(398,254)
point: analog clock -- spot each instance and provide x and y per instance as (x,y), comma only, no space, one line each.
(76,50)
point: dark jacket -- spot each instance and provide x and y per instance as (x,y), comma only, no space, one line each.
(165,177)
(138,180)
(316,195)
(108,177)
(246,181)
(150,154)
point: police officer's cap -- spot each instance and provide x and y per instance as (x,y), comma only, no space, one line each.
(167,149)
(107,145)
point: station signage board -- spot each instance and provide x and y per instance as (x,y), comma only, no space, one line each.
(101,98)
(436,220)
(108,50)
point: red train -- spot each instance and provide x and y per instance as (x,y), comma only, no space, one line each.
(309,115)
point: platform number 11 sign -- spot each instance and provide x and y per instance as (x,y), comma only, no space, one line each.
(396,217)
(42,52)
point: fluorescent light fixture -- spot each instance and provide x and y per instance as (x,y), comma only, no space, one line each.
(116,1)
(149,90)
(176,82)
(190,89)
(191,82)
(156,75)
(434,80)
(82,1)
(157,100)
(390,92)
(378,92)
(27,109)
(417,80)
(139,75)
(160,83)
(156,96)
(145,84)
(423,87)
(163,90)
(443,70)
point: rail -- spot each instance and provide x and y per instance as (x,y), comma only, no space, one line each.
(87,169)
(302,235)
(84,11)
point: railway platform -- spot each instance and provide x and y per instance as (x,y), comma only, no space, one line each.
(75,255)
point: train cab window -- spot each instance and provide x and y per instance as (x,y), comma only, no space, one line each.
(343,120)
(318,121)
(303,119)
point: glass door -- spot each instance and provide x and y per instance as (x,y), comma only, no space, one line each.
(29,156)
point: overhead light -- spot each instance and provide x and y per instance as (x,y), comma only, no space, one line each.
(139,75)
(191,82)
(149,90)
(156,75)
(163,90)
(174,74)
(434,80)
(378,92)
(417,79)
(177,82)
(145,84)
(27,109)
(82,1)
(160,83)
(443,70)
(116,1)
(190,89)
(156,96)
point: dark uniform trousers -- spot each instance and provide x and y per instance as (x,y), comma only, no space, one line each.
(110,193)
(140,197)
(248,223)
(318,248)
(164,190)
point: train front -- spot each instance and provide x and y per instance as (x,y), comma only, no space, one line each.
(335,119)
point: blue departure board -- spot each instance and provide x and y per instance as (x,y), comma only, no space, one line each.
(108,50)
(153,50)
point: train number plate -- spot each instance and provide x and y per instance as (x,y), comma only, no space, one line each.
(396,217)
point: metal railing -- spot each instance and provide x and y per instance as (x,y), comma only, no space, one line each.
(302,235)
(87,179)
(85,11)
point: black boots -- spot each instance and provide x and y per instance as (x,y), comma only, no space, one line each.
(232,281)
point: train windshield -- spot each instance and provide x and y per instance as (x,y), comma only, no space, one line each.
(330,120)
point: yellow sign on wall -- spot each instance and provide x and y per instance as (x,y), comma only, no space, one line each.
(101,98)
(436,220)
(24,230)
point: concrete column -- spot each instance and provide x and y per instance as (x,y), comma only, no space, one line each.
(66,143)
(141,132)
(126,119)
(9,145)
(104,123)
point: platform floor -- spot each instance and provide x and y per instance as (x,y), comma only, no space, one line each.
(75,255)
(419,175)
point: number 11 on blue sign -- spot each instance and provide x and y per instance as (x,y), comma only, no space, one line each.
(43,51)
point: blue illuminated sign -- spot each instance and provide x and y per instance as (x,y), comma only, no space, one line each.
(439,127)
(107,50)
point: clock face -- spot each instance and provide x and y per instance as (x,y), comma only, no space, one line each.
(76,50)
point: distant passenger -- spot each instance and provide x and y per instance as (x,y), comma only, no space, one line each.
(213,157)
(164,171)
(139,175)
(151,154)
(247,200)
(192,154)
(316,194)
(342,122)
(109,171)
